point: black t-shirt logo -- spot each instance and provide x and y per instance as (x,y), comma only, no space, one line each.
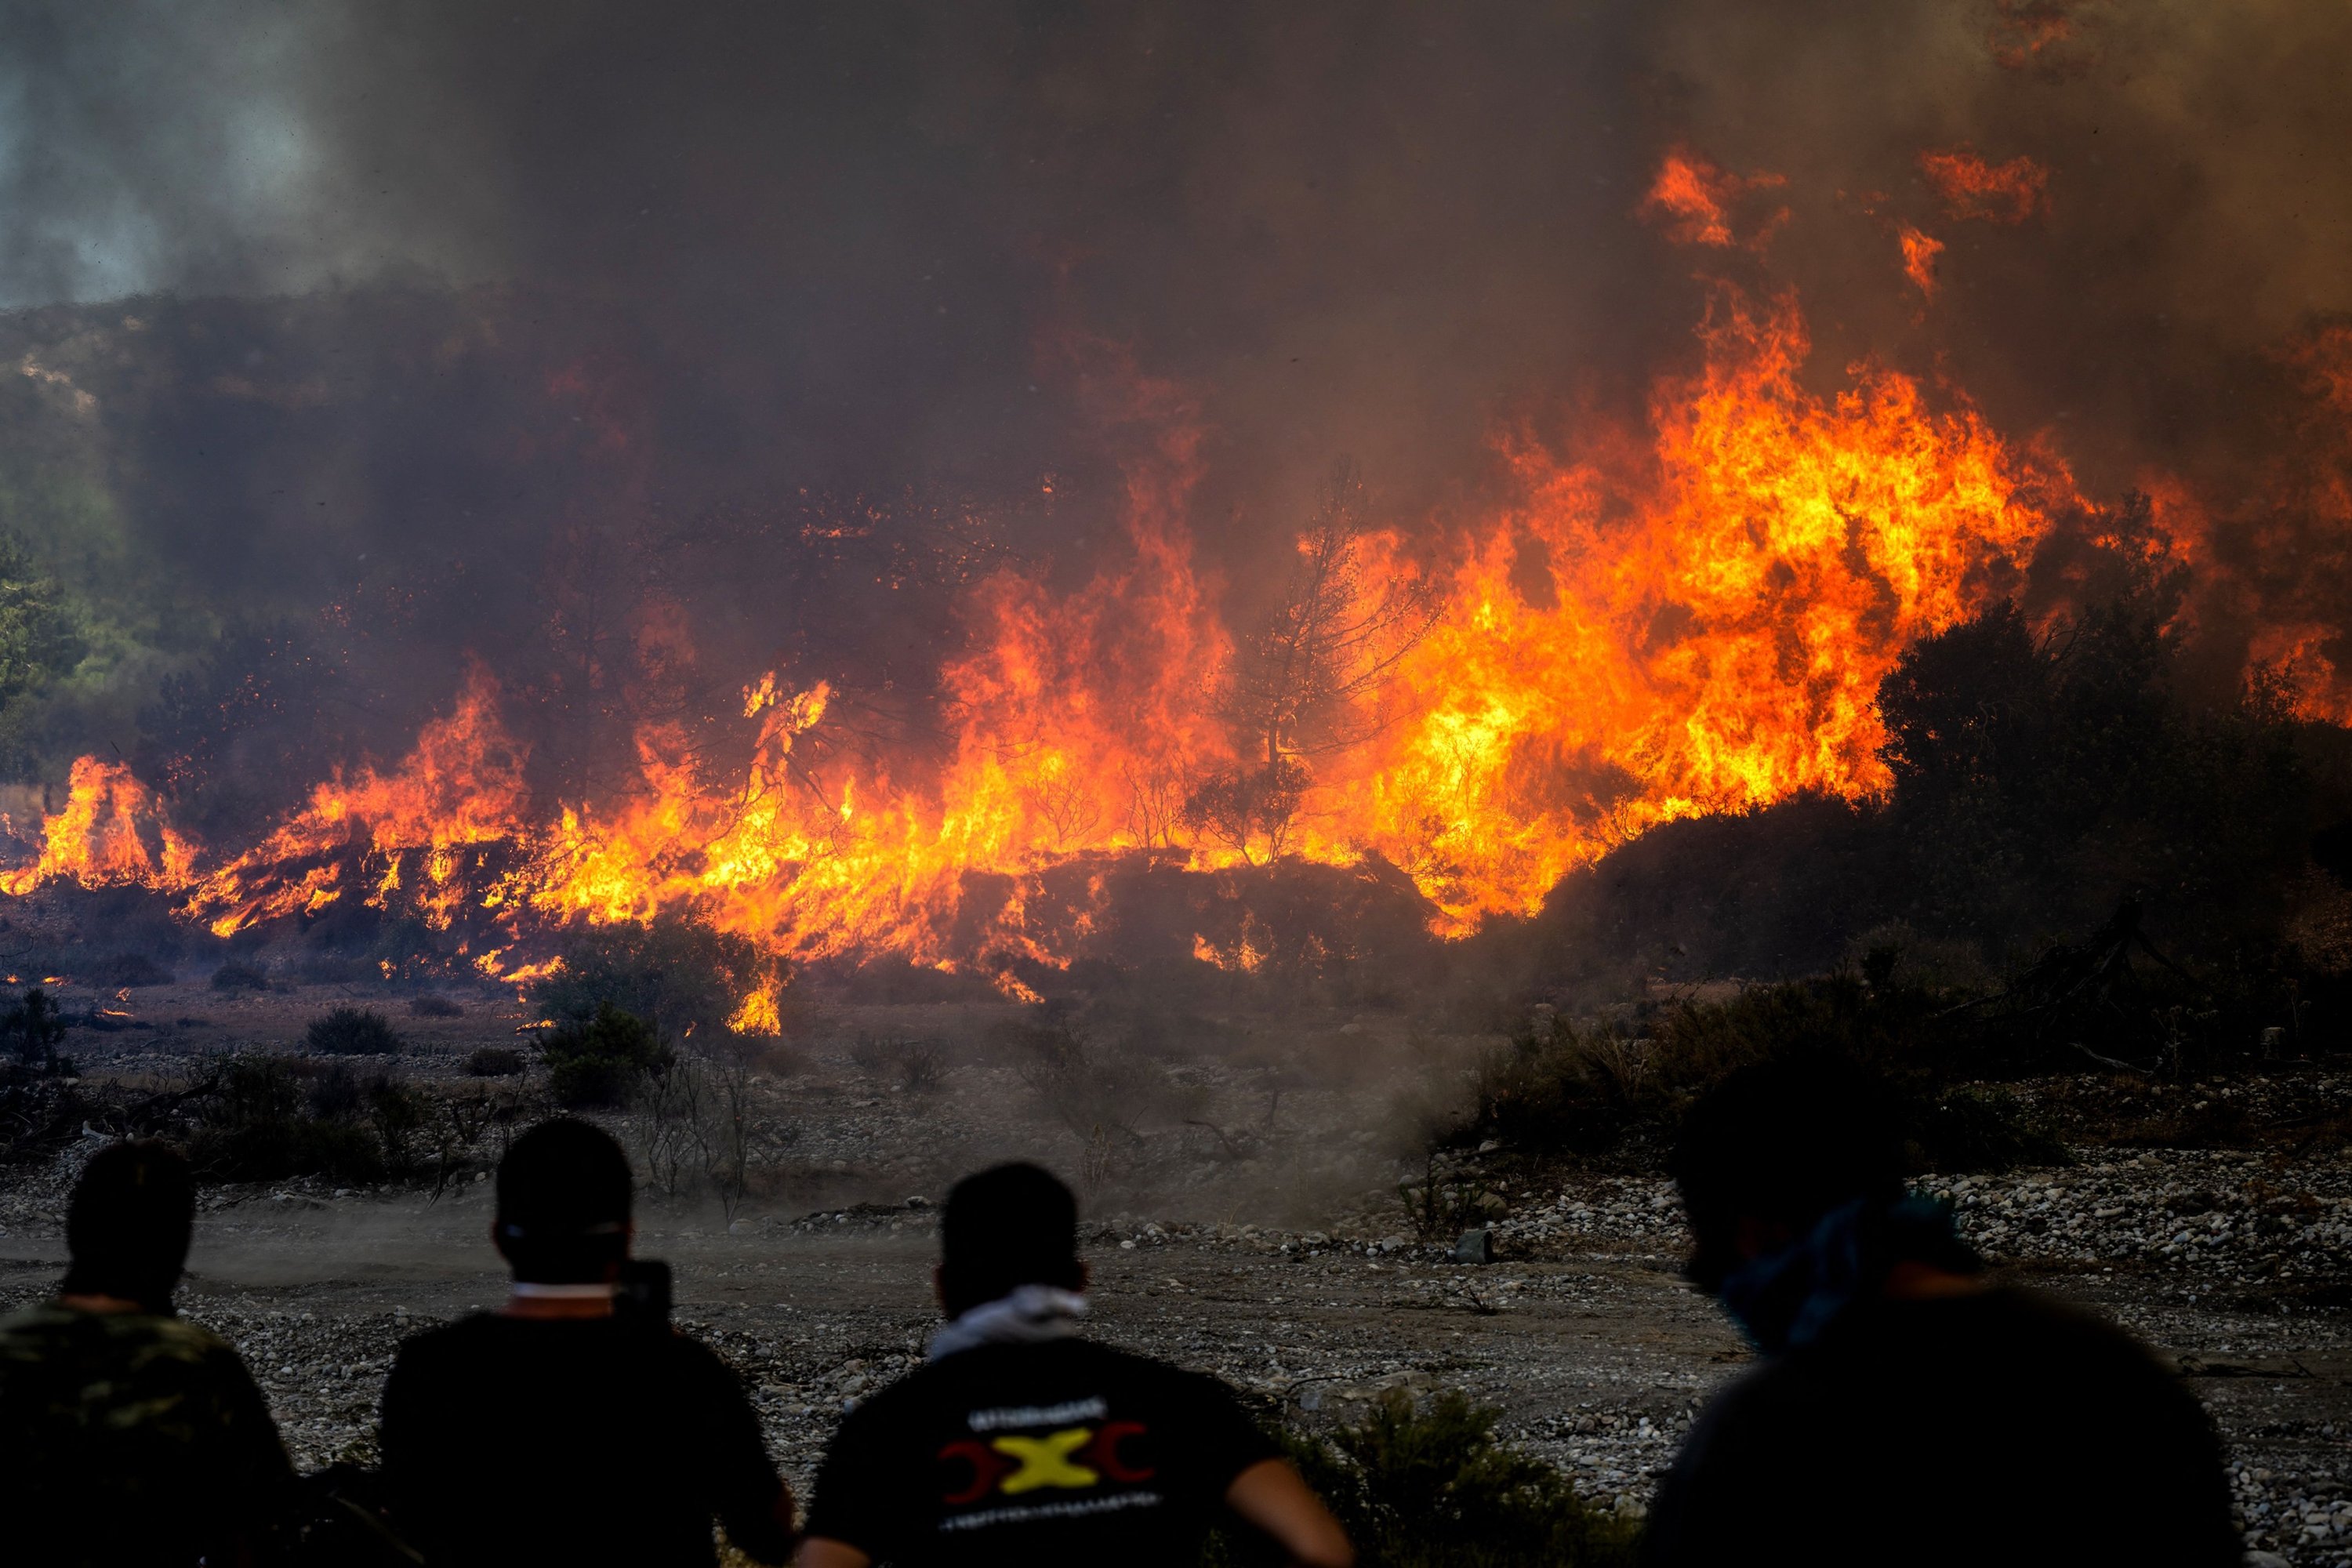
(1071,1458)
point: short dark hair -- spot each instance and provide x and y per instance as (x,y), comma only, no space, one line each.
(563,1204)
(1784,1141)
(128,1225)
(1007,1226)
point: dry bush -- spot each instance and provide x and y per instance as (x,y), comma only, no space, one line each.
(263,1119)
(1447,1199)
(780,1058)
(922,1066)
(494,1061)
(698,1130)
(919,1065)
(674,1126)
(352,1031)
(1096,1163)
(235,976)
(1084,1083)
(870,1053)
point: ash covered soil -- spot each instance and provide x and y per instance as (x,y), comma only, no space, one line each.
(1247,1221)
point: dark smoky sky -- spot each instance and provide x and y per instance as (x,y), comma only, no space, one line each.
(834,247)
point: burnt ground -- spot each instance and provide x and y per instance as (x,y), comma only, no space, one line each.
(1249,1224)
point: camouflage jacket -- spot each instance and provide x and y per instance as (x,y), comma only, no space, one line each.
(126,1437)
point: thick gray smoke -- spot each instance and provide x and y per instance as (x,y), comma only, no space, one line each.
(460,293)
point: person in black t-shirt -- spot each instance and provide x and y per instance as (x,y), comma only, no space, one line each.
(1022,1442)
(1906,1411)
(554,1431)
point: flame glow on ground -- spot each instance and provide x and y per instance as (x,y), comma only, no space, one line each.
(1691,621)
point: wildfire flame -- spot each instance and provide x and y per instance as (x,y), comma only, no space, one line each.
(1711,639)
(2300,637)
(1695,201)
(1972,187)
(1719,645)
(1687,619)
(109,834)
(1919,253)
(2035,33)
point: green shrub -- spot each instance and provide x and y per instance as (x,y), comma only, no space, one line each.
(41,1113)
(1564,1093)
(352,1032)
(256,1122)
(274,1151)
(673,973)
(1432,1489)
(494,1061)
(1446,1199)
(334,1092)
(1884,1023)
(397,1114)
(1570,1091)
(598,1060)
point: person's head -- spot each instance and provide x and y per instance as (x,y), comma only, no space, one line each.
(1006,1227)
(129,1223)
(563,1205)
(1771,1149)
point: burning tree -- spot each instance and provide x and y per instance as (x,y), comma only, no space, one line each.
(1301,685)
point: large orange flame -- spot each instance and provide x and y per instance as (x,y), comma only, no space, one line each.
(1713,641)
(1694,618)
(413,834)
(111,833)
(1710,625)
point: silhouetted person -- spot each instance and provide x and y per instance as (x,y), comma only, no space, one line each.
(127,1435)
(555,1431)
(1021,1443)
(1907,1411)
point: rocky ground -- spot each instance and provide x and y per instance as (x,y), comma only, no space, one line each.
(1252,1228)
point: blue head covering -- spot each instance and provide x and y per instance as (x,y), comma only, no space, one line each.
(1791,1298)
